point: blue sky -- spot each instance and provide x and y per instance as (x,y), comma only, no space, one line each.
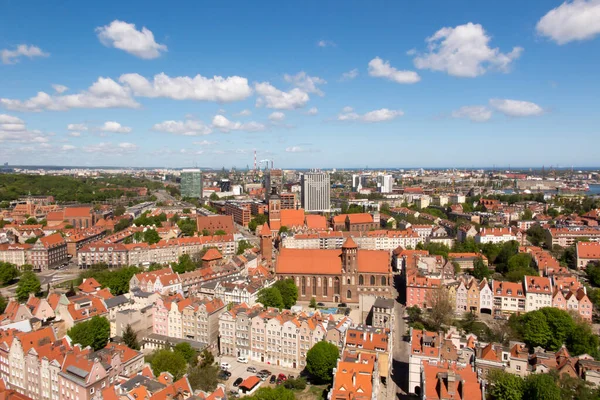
(306,84)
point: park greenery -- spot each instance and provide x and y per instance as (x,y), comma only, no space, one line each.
(243,245)
(117,279)
(28,283)
(260,219)
(204,375)
(94,333)
(321,359)
(283,294)
(166,360)
(8,273)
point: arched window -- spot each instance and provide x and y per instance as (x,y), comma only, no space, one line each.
(314,286)
(325,287)
(336,287)
(348,281)
(361,280)
(349,294)
(383,281)
(372,280)
(303,286)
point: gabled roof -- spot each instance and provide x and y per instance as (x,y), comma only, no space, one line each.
(212,255)
(89,285)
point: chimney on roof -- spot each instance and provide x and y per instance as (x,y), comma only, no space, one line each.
(354,379)
(451,382)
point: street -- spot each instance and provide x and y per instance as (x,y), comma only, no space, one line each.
(52,277)
(238,370)
(401,348)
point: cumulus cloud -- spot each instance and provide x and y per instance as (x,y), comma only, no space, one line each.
(295,149)
(204,143)
(221,123)
(516,108)
(244,113)
(383,114)
(77,127)
(277,116)
(464,51)
(474,113)
(14,56)
(114,127)
(575,20)
(107,148)
(13,129)
(382,69)
(313,111)
(104,93)
(325,43)
(126,37)
(67,147)
(217,88)
(75,134)
(186,128)
(59,88)
(305,82)
(347,76)
(271,97)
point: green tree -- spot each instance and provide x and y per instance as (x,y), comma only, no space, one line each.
(270,297)
(29,283)
(527,215)
(31,240)
(122,224)
(480,270)
(8,273)
(321,359)
(536,235)
(3,303)
(119,210)
(130,338)
(592,271)
(441,310)
(288,290)
(204,377)
(243,245)
(94,333)
(188,227)
(505,386)
(267,393)
(541,387)
(283,229)
(536,331)
(170,361)
(31,221)
(151,236)
(257,220)
(117,280)
(583,341)
(186,211)
(220,232)
(188,352)
(561,326)
(313,303)
(207,358)
(185,264)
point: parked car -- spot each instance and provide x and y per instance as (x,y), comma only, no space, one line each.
(281,377)
(238,382)
(224,375)
(243,360)
(273,379)
(225,365)
(321,304)
(251,369)
(342,305)
(265,371)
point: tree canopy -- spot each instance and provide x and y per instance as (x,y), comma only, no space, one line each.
(117,280)
(270,297)
(170,361)
(288,290)
(130,338)
(94,333)
(243,245)
(321,359)
(29,283)
(8,273)
(187,351)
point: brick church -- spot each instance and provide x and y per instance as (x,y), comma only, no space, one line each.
(337,276)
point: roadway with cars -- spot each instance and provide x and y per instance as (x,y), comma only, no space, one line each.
(240,370)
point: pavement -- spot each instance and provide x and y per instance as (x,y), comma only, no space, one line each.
(238,370)
(398,386)
(52,277)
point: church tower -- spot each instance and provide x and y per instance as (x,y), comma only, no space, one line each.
(349,270)
(274,209)
(266,244)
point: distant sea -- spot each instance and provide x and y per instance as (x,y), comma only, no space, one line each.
(594,189)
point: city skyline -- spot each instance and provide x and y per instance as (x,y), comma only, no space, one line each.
(306,86)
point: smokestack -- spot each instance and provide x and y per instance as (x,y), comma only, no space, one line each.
(451,382)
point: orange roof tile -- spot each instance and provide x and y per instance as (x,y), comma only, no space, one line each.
(292,218)
(328,262)
(211,255)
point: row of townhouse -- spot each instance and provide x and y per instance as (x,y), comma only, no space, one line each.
(274,337)
(368,240)
(41,366)
(142,254)
(565,237)
(47,252)
(191,318)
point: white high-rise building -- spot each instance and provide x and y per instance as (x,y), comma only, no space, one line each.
(316,187)
(356,183)
(385,183)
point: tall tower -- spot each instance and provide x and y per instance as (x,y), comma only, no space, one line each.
(191,183)
(316,188)
(266,244)
(274,208)
(349,256)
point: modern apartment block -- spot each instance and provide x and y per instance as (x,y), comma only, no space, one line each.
(316,187)
(191,183)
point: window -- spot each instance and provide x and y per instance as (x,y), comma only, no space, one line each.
(383,281)
(361,280)
(372,280)
(336,287)
(314,286)
(303,286)
(349,294)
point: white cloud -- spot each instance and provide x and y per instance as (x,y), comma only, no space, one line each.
(186,128)
(217,88)
(325,43)
(464,51)
(59,88)
(75,134)
(347,76)
(67,147)
(204,143)
(516,108)
(277,116)
(305,82)
(295,149)
(312,111)
(104,93)
(13,129)
(77,127)
(575,20)
(381,115)
(474,113)
(244,113)
(114,127)
(271,97)
(382,69)
(224,125)
(108,149)
(14,56)
(124,36)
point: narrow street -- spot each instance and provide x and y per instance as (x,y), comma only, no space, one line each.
(401,348)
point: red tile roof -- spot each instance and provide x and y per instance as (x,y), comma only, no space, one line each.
(588,250)
(449,381)
(53,240)
(77,212)
(328,262)
(211,255)
(292,218)
(89,285)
